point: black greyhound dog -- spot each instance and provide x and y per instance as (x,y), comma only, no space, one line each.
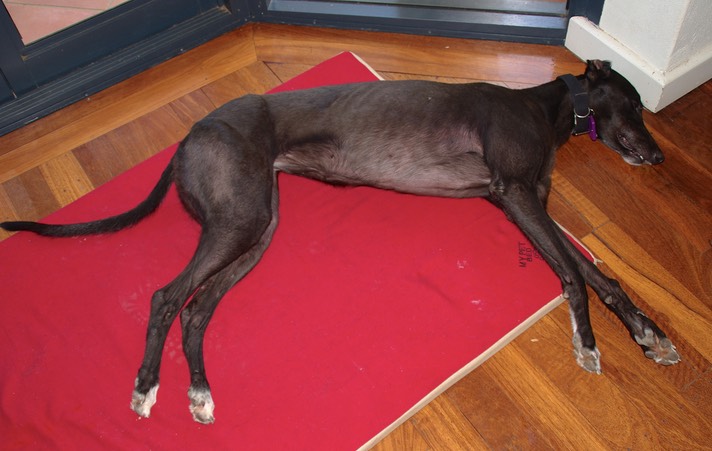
(455,140)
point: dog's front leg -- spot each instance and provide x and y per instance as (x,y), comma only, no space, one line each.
(656,345)
(522,205)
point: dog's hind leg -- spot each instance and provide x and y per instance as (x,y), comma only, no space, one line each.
(522,205)
(196,316)
(226,182)
(218,248)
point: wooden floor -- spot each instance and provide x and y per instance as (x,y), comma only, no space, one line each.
(652,226)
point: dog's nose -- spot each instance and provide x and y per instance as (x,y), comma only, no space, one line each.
(658,158)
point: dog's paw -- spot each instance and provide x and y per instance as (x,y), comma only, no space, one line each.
(588,359)
(661,350)
(141,403)
(201,405)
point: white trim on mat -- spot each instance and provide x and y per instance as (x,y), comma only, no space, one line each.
(360,60)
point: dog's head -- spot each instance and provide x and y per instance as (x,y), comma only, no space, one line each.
(619,115)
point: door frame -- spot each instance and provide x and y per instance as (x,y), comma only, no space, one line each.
(44,76)
(530,21)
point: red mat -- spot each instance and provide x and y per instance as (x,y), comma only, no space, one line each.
(365,305)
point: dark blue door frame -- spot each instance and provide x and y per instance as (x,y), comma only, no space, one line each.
(45,76)
(42,77)
(533,21)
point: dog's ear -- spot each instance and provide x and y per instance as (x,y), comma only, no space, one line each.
(597,70)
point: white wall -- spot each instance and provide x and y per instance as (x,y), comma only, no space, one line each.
(664,47)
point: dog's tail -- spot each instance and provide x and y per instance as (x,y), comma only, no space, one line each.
(107,225)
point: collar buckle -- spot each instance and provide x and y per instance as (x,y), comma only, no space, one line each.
(583,114)
(581,122)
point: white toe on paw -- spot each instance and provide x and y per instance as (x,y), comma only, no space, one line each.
(201,405)
(142,403)
(589,360)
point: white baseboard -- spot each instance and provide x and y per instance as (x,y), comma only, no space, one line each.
(657,88)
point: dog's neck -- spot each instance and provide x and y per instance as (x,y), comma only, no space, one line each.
(583,118)
(557,105)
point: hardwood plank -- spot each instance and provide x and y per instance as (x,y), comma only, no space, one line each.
(213,59)
(698,393)
(148,134)
(590,213)
(486,405)
(7,211)
(563,212)
(101,161)
(604,399)
(555,415)
(127,101)
(684,124)
(645,207)
(444,427)
(189,109)
(682,314)
(31,195)
(287,71)
(405,437)
(257,78)
(686,172)
(124,147)
(402,76)
(596,397)
(66,179)
(650,269)
(388,52)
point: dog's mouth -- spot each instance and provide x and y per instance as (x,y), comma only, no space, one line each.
(629,153)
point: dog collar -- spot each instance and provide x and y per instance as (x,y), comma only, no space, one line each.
(583,114)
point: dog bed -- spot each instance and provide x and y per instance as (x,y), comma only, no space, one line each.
(367,305)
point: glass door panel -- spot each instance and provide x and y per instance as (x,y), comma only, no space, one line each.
(46,67)
(36,19)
